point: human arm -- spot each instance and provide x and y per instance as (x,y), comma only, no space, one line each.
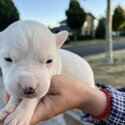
(68,93)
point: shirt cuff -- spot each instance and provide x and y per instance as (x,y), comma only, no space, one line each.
(117,112)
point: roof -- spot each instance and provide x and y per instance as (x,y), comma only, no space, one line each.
(91,15)
(64,21)
(60,28)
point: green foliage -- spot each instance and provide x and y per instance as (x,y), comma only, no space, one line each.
(81,37)
(118,18)
(8,13)
(75,16)
(100,31)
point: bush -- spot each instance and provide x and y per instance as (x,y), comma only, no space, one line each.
(8,13)
(85,37)
(122,33)
(100,31)
(81,37)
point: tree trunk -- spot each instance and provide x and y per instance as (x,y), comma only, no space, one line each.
(75,35)
(109,46)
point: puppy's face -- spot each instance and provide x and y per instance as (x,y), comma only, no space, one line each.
(29,58)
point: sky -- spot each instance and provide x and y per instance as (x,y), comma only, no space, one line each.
(51,12)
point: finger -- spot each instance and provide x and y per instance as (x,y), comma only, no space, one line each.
(5,96)
(40,114)
(50,107)
(37,116)
(44,110)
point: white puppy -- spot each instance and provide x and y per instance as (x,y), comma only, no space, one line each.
(30,55)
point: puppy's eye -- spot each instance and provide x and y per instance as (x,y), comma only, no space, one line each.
(49,61)
(8,59)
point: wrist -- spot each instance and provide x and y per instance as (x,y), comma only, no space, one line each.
(94,102)
(105,114)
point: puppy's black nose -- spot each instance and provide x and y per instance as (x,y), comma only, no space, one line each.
(29,90)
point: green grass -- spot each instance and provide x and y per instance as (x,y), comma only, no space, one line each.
(109,74)
(84,43)
(92,42)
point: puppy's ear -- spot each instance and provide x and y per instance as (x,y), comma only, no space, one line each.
(61,38)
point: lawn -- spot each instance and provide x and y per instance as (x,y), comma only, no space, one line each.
(109,74)
(84,43)
(92,42)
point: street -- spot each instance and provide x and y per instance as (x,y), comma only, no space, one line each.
(94,49)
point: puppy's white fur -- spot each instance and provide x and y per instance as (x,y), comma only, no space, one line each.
(30,45)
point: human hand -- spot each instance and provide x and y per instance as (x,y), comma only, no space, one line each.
(64,94)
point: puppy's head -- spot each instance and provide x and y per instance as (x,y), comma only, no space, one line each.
(29,57)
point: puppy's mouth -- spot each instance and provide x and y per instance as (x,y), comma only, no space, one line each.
(29,96)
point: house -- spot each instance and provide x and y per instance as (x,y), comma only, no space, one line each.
(88,28)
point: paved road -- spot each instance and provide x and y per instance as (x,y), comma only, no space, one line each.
(94,49)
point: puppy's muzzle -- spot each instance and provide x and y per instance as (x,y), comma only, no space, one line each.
(29,91)
(27,84)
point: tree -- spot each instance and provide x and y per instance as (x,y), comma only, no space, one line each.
(8,13)
(100,30)
(108,46)
(118,18)
(75,17)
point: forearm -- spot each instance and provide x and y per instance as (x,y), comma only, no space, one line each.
(81,96)
(93,102)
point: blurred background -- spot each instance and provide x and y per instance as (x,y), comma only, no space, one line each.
(96,32)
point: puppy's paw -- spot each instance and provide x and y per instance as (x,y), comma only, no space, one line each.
(6,111)
(18,117)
